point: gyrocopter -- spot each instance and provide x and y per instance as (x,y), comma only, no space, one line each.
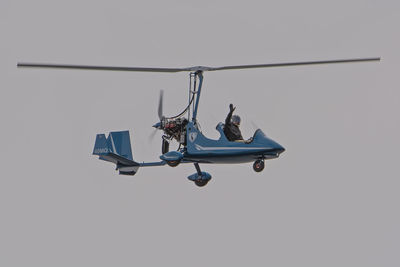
(183,128)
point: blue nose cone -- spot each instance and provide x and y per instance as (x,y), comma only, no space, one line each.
(157,125)
(279,149)
(270,145)
(275,147)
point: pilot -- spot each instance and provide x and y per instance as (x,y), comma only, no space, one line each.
(231,128)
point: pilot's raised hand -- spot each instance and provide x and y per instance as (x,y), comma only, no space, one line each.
(231,107)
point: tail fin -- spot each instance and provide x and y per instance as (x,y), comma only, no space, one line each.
(116,149)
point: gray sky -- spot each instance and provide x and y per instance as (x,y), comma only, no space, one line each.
(330,200)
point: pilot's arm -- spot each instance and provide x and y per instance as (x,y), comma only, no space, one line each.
(229,117)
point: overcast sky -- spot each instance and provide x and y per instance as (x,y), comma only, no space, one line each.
(330,200)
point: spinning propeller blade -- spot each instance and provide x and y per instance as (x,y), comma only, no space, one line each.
(158,125)
(152,135)
(196,68)
(160,106)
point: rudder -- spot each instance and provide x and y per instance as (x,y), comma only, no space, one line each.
(121,144)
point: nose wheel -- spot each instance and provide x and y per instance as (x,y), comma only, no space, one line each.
(258,165)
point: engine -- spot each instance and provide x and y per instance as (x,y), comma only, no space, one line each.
(175,129)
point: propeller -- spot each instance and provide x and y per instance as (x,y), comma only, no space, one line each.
(158,125)
(152,135)
(193,69)
(160,105)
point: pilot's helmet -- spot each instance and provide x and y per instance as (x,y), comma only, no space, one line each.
(236,120)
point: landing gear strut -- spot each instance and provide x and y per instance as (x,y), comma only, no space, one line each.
(258,165)
(165,145)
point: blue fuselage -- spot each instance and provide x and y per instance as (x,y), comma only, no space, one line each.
(203,150)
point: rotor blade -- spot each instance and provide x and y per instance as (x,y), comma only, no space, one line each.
(294,64)
(88,67)
(195,68)
(160,105)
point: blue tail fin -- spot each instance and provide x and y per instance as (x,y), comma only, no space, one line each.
(101,145)
(116,149)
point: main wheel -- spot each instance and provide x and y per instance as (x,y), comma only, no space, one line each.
(201,182)
(173,163)
(258,165)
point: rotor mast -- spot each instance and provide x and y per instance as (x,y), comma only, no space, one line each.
(196,93)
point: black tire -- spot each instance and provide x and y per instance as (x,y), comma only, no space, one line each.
(258,165)
(173,163)
(201,183)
